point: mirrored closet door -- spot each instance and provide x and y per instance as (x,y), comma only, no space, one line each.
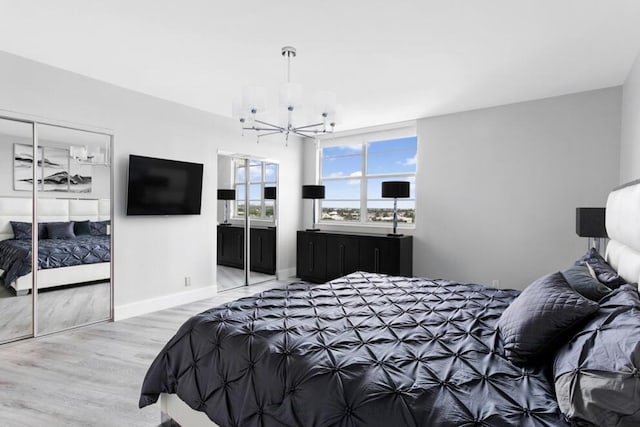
(74,206)
(16,243)
(55,271)
(247,212)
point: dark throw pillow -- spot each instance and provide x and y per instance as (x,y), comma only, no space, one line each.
(21,230)
(545,311)
(596,373)
(60,230)
(99,228)
(81,228)
(581,281)
(606,274)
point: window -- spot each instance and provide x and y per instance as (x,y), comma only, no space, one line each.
(353,176)
(260,174)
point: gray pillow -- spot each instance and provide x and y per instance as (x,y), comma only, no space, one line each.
(581,281)
(605,273)
(60,230)
(596,373)
(22,230)
(541,315)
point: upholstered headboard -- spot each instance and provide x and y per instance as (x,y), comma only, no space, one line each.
(51,210)
(623,228)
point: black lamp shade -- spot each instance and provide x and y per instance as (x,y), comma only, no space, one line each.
(313,191)
(270,193)
(226,194)
(590,222)
(395,189)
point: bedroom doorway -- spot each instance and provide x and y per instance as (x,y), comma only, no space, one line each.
(56,274)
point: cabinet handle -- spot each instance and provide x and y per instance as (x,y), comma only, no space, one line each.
(311,256)
(376,260)
(342,260)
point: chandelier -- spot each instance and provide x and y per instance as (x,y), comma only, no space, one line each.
(254,99)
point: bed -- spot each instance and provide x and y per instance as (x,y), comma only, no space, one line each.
(82,259)
(375,350)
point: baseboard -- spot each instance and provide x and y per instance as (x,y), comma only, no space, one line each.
(150,305)
(286,273)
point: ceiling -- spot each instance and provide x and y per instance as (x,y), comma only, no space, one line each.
(386,60)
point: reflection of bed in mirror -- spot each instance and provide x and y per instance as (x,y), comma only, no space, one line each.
(84,258)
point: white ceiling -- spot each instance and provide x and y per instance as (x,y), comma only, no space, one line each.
(386,60)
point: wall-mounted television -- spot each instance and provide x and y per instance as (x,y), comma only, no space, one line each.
(163,187)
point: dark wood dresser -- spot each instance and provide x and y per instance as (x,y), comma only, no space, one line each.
(324,256)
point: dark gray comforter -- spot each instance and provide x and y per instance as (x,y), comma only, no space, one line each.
(15,255)
(364,350)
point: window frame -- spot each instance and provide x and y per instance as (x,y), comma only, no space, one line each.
(247,183)
(364,139)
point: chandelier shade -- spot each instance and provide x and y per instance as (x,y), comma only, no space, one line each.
(254,101)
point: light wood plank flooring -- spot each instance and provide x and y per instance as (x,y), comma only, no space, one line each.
(58,308)
(91,376)
(230,277)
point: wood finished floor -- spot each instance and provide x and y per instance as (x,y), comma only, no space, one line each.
(91,376)
(230,277)
(58,308)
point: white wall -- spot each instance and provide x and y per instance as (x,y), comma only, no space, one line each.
(630,141)
(498,187)
(153,254)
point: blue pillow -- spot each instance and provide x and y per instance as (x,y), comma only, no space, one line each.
(22,230)
(99,228)
(60,230)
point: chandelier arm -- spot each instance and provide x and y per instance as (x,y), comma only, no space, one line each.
(270,125)
(304,135)
(269,133)
(309,126)
(261,129)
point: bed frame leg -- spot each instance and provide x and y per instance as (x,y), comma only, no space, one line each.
(22,292)
(167,421)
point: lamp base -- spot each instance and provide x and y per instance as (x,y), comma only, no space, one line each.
(394,235)
(312,229)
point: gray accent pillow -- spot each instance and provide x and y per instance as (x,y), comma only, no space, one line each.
(542,314)
(580,279)
(81,228)
(605,273)
(596,373)
(60,230)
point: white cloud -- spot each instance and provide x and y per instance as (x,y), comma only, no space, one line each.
(411,160)
(355,181)
(335,175)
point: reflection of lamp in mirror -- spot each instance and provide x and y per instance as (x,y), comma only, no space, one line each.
(395,190)
(313,192)
(226,195)
(270,194)
(82,155)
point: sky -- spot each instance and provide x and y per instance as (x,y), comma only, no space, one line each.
(383,157)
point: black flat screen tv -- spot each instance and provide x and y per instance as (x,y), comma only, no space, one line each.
(163,187)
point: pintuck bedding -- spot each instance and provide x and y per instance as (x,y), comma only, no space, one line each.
(363,350)
(15,254)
